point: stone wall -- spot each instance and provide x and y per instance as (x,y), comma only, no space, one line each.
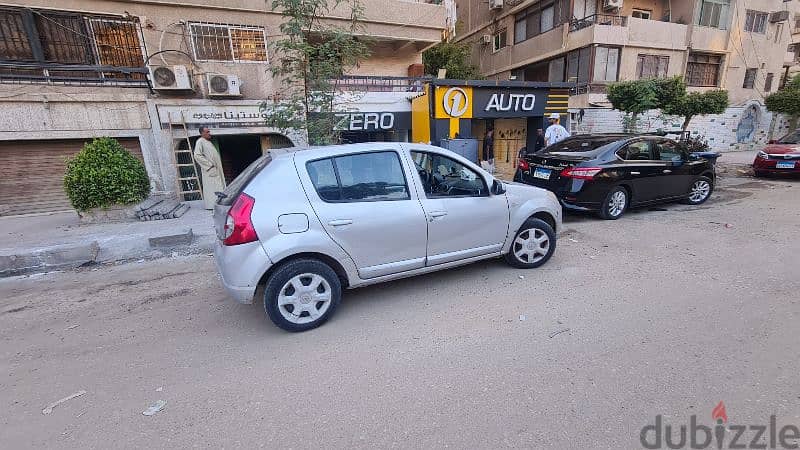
(745,127)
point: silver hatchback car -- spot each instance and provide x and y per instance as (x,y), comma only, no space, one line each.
(307,223)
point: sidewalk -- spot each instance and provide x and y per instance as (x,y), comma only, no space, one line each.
(58,241)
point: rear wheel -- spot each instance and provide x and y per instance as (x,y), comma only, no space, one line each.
(533,245)
(615,204)
(700,191)
(302,295)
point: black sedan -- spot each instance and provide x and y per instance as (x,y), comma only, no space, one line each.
(609,173)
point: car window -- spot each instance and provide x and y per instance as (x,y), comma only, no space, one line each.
(668,151)
(636,151)
(373,176)
(445,177)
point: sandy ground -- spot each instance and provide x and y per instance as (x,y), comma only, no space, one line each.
(665,311)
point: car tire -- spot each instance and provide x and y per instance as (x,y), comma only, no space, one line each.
(699,192)
(533,245)
(615,204)
(306,285)
(760,174)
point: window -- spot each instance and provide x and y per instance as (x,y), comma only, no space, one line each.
(578,63)
(365,177)
(445,177)
(797,22)
(668,151)
(714,13)
(538,19)
(499,40)
(637,151)
(768,82)
(37,40)
(652,66)
(556,69)
(703,69)
(606,63)
(214,42)
(749,78)
(756,21)
(641,13)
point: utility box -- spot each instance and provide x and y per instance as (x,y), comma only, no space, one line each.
(468,148)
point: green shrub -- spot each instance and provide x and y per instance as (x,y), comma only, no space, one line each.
(103,174)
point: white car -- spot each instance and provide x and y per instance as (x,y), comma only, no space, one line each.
(306,223)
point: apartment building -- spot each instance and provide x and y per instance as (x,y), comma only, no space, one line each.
(137,70)
(742,46)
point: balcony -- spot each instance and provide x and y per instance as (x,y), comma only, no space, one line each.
(365,83)
(405,20)
(19,72)
(622,31)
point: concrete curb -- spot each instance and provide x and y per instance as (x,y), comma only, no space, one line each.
(104,250)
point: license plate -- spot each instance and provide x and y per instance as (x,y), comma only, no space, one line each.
(541,173)
(784,165)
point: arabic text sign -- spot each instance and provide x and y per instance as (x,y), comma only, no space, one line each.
(213,115)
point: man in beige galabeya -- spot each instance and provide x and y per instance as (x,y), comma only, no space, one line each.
(207,157)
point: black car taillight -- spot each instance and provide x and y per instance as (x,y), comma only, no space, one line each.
(523,165)
(581,173)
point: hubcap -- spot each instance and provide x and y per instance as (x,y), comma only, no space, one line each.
(531,245)
(304,298)
(617,203)
(700,190)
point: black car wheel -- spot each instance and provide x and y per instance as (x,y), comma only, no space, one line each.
(533,245)
(302,294)
(700,191)
(615,204)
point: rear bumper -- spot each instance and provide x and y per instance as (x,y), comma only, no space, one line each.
(241,268)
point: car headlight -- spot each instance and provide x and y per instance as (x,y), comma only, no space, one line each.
(763,155)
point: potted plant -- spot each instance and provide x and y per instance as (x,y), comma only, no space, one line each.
(103,180)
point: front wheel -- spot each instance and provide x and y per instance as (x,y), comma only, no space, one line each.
(302,295)
(700,191)
(533,245)
(615,204)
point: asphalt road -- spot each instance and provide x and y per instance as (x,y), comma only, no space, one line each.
(663,312)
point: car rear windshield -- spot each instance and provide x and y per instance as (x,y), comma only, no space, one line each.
(239,183)
(791,138)
(581,146)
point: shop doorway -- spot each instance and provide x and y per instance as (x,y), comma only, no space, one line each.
(237,152)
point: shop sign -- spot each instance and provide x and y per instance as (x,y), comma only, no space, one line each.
(215,115)
(373,121)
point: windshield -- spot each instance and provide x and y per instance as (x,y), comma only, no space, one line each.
(791,138)
(581,146)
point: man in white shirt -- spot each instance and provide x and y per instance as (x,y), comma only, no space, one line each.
(555,132)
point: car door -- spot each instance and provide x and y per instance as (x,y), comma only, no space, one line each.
(464,219)
(642,171)
(365,205)
(678,170)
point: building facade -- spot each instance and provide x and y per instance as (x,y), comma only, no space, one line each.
(142,70)
(743,46)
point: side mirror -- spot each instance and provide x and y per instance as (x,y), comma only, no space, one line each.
(498,188)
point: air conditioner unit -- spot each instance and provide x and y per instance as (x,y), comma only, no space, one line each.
(486,39)
(612,4)
(221,85)
(170,78)
(779,16)
(495,4)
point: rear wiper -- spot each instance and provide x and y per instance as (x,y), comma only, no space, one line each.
(221,195)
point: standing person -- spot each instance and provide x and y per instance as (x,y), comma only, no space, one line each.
(555,132)
(207,157)
(539,144)
(488,148)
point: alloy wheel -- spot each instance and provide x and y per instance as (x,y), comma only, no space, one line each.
(304,298)
(531,245)
(617,203)
(700,190)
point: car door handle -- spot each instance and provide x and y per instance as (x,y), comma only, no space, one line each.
(636,173)
(340,222)
(667,171)
(434,214)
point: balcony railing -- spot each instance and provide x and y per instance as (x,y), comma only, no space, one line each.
(380,83)
(598,19)
(72,74)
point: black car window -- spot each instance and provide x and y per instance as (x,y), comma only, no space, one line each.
(374,176)
(445,177)
(636,151)
(668,151)
(581,144)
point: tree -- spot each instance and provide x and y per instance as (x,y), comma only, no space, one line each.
(786,101)
(312,54)
(697,104)
(632,98)
(453,56)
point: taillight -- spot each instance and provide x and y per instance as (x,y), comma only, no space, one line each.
(238,225)
(523,165)
(581,173)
